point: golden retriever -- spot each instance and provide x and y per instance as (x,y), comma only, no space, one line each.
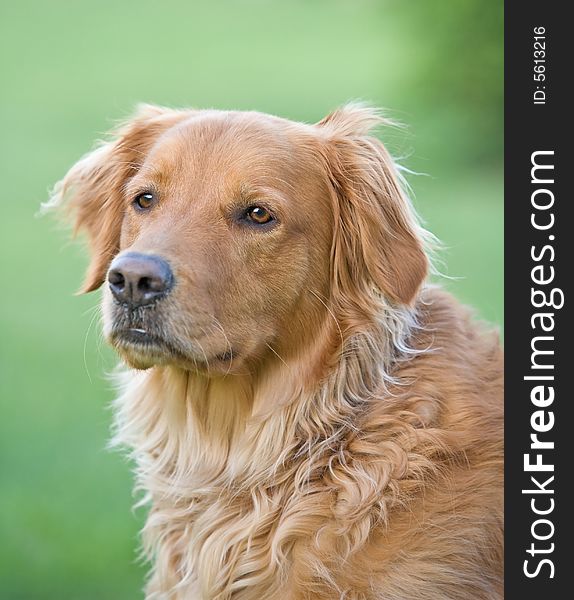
(309,420)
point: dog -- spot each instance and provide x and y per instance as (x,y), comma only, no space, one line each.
(309,419)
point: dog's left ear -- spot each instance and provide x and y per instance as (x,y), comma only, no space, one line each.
(92,191)
(377,240)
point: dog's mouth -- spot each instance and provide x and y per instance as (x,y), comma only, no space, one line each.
(139,337)
(145,337)
(143,348)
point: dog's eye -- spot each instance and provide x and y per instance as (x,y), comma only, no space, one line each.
(144,201)
(258,215)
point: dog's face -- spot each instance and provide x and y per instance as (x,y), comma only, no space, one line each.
(236,211)
(223,237)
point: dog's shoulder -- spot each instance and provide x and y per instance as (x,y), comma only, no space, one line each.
(446,414)
(454,326)
(454,379)
(456,354)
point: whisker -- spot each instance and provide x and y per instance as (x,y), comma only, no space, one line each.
(218,324)
(277,355)
(204,356)
(332,315)
(93,318)
(92,309)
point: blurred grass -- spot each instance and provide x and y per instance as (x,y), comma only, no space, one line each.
(69,69)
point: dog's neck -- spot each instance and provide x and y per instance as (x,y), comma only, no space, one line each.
(211,450)
(189,430)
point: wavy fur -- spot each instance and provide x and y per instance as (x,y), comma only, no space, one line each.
(360,456)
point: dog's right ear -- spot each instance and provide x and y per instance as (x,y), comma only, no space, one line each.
(92,191)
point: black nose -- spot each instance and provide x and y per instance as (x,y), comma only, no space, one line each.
(139,279)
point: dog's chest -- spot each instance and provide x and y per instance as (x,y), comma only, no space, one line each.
(224,542)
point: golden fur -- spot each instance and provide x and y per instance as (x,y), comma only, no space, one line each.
(321,424)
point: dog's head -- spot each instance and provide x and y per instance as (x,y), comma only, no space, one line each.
(221,237)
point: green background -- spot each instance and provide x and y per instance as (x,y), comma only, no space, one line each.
(69,70)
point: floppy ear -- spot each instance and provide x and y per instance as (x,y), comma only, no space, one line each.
(92,191)
(377,240)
